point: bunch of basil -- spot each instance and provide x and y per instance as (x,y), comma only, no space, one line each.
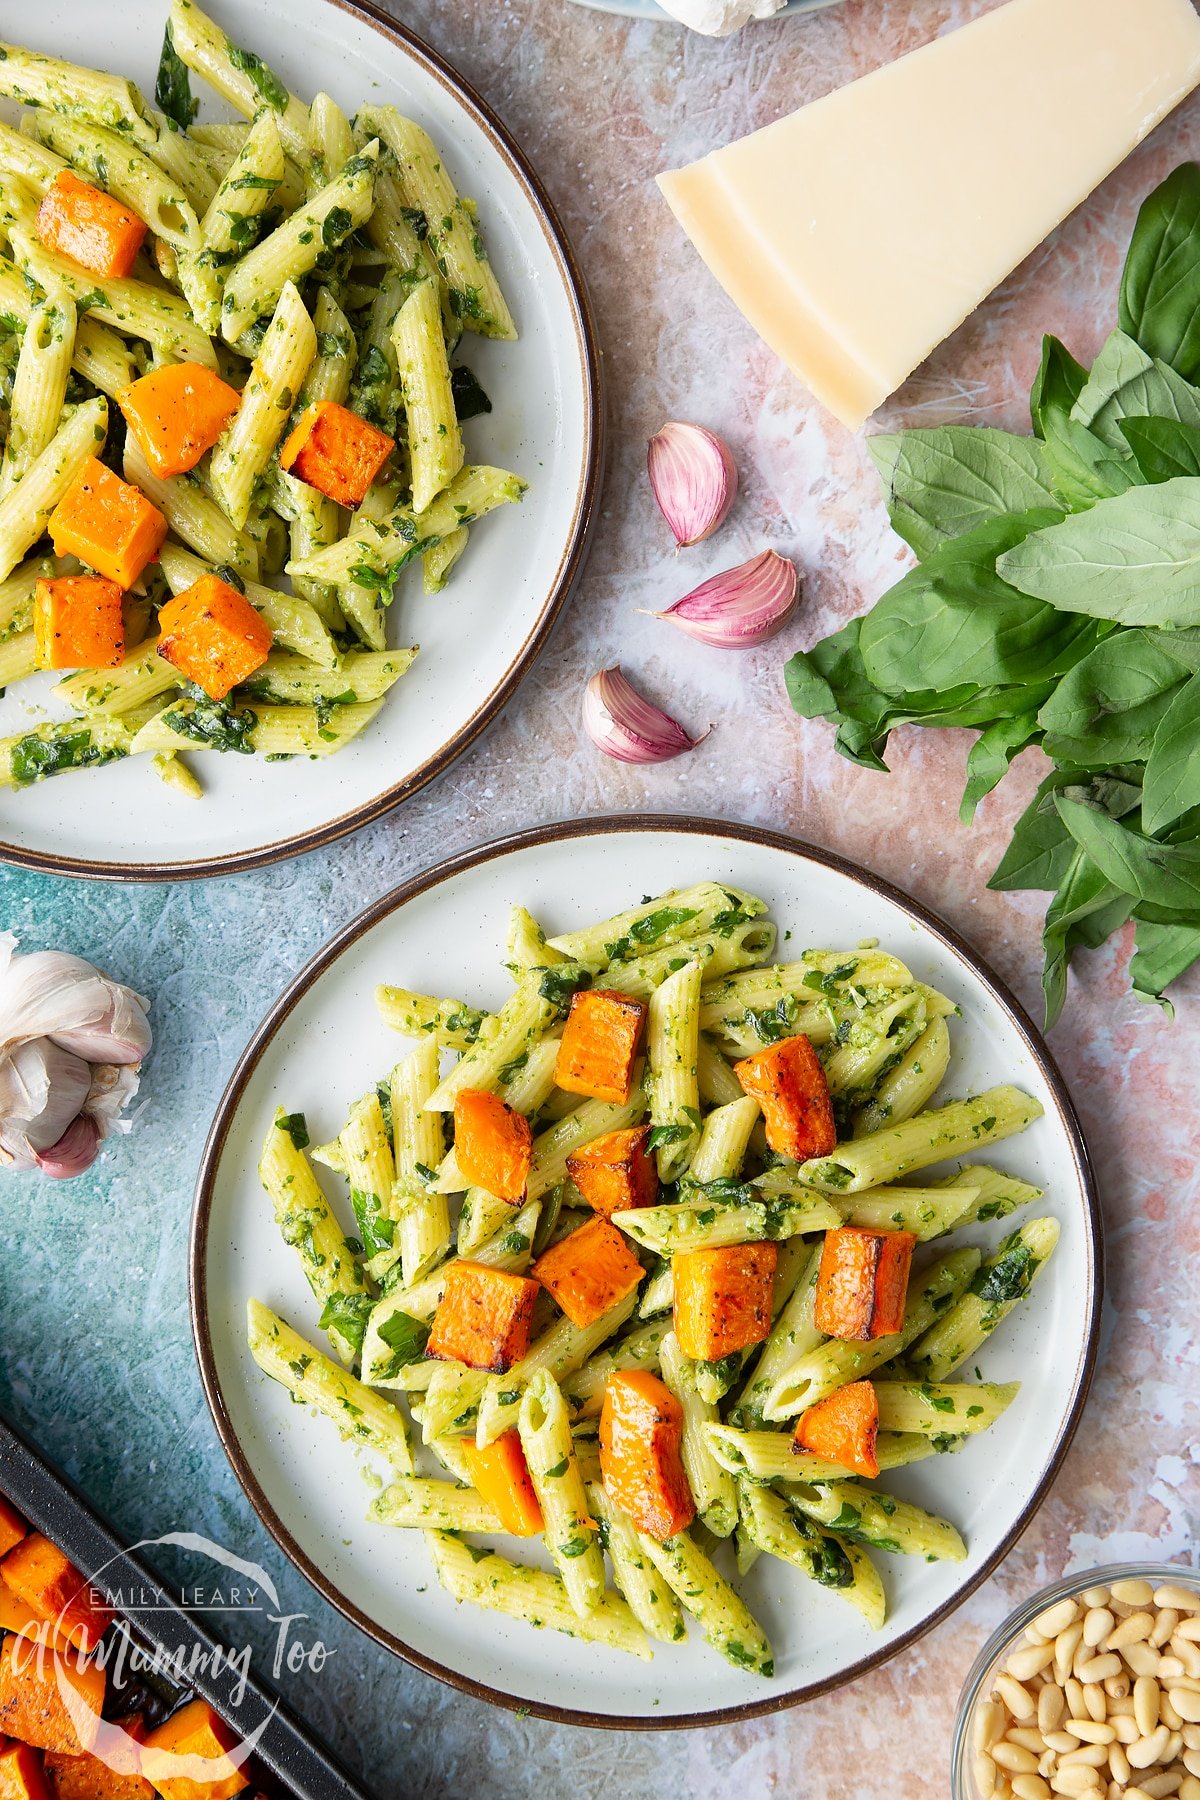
(1057,602)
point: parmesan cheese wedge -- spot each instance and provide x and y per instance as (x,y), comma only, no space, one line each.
(859,232)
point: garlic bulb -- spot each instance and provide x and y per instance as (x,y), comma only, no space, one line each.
(71,1044)
(694,478)
(625,726)
(740,606)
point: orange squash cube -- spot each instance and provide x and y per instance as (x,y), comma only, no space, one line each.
(89,226)
(600,1044)
(335,451)
(723,1299)
(789,1084)
(176,413)
(77,622)
(12,1526)
(589,1272)
(844,1427)
(862,1283)
(641,1453)
(32,1707)
(37,1572)
(213,635)
(108,524)
(21,1776)
(195,1730)
(484,1317)
(616,1172)
(492,1143)
(501,1475)
(87,1777)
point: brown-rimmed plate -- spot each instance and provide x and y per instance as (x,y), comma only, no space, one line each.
(483,632)
(322,1045)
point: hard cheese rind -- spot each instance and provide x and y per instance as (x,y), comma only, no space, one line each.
(860,231)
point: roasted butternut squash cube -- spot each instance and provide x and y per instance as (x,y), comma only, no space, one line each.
(37,1572)
(589,1272)
(862,1283)
(493,1144)
(723,1299)
(88,226)
(599,1045)
(21,1775)
(108,524)
(789,1084)
(12,1526)
(844,1427)
(641,1453)
(195,1730)
(78,622)
(336,451)
(484,1317)
(177,413)
(213,635)
(86,1777)
(501,1475)
(616,1172)
(32,1706)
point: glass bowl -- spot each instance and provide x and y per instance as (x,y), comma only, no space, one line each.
(1002,1641)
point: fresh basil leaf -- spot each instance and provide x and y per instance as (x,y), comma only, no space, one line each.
(404,1335)
(1084,894)
(1163,448)
(296,1126)
(469,397)
(1135,559)
(264,79)
(1108,707)
(941,483)
(1126,381)
(1082,469)
(1160,285)
(347,1315)
(1041,848)
(1171,785)
(991,755)
(1161,874)
(173,85)
(1162,953)
(1058,384)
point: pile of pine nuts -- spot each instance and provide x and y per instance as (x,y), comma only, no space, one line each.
(1099,1699)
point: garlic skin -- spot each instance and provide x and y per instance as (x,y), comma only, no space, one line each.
(71,1044)
(694,478)
(625,726)
(741,606)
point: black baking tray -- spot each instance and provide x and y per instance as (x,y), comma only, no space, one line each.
(288,1759)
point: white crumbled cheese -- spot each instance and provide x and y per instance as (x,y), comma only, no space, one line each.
(717,18)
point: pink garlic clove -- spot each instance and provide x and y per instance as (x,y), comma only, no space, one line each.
(694,478)
(627,727)
(740,606)
(74,1152)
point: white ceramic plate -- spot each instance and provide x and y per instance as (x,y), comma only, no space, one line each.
(322,1046)
(646,9)
(479,636)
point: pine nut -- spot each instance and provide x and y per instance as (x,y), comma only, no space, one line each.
(1090,1731)
(1191,1736)
(1025,1664)
(1013,1757)
(1096,1701)
(1185,1599)
(1050,1707)
(1190,1629)
(1125,1726)
(1030,1787)
(1169,1668)
(1167,1712)
(1187,1651)
(1174,1746)
(1098,1667)
(1133,1593)
(1056,1618)
(1158,1786)
(1095,1596)
(1075,1781)
(1076,1705)
(988,1724)
(1191,1762)
(1118,1763)
(1142,1659)
(1136,1793)
(1189,1788)
(1061,1741)
(985,1776)
(1149,1750)
(1117,1687)
(1132,1630)
(1090,1756)
(1065,1646)
(1096,1626)
(1145,1706)
(1015,1697)
(1028,1736)
(1164,1625)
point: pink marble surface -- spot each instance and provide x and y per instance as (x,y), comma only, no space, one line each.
(602,105)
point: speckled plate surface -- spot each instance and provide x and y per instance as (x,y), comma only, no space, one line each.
(477,638)
(322,1046)
(646,9)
